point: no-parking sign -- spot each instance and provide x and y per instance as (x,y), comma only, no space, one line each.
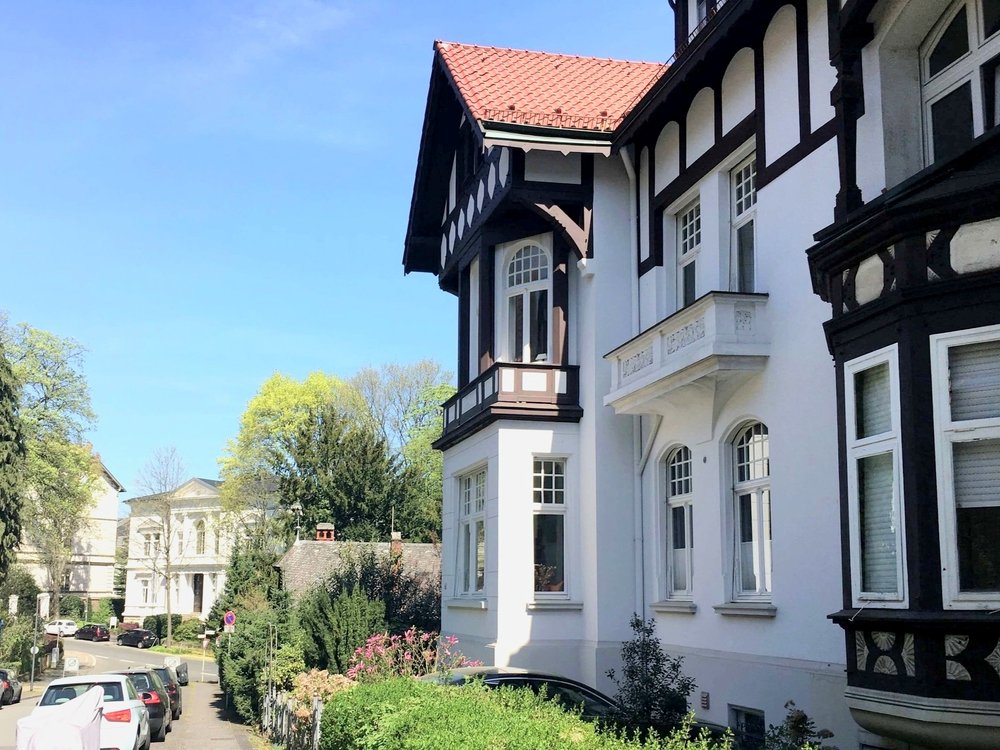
(229,620)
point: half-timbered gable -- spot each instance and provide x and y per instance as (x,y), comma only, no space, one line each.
(911,269)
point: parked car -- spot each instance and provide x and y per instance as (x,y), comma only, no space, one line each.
(139,638)
(93,633)
(570,693)
(173,685)
(10,688)
(125,723)
(156,699)
(61,627)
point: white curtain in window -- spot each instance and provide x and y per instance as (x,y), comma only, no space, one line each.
(878,524)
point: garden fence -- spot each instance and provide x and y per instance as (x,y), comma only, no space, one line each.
(290,724)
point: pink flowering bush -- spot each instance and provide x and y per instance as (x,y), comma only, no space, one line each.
(412,654)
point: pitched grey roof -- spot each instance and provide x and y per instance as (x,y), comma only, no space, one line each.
(307,563)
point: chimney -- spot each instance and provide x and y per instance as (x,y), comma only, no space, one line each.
(396,546)
(324,532)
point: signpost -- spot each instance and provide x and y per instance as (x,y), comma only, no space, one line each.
(71,664)
(229,620)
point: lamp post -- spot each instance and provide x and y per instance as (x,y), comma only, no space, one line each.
(296,508)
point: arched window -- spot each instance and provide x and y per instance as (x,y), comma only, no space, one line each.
(752,512)
(959,82)
(680,528)
(199,536)
(528,305)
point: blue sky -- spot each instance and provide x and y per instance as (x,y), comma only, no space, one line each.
(204,193)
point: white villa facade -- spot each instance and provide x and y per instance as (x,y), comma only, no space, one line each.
(199,548)
(648,418)
(90,573)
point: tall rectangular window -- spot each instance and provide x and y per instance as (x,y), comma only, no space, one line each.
(144,590)
(680,524)
(472,532)
(874,487)
(752,513)
(744,212)
(966,386)
(688,244)
(549,524)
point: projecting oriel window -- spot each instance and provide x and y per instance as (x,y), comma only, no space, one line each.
(527,307)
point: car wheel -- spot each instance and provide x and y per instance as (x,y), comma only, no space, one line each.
(139,645)
(161,734)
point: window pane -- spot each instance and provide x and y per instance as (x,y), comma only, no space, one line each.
(974,374)
(690,227)
(991,17)
(953,44)
(677,528)
(539,325)
(690,293)
(549,570)
(549,481)
(752,454)
(951,123)
(748,579)
(872,407)
(744,258)
(466,553)
(480,555)
(515,328)
(977,501)
(528,264)
(679,473)
(878,524)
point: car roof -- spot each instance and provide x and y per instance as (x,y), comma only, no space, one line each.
(89,678)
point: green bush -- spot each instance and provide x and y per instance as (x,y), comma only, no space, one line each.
(188,631)
(406,714)
(16,641)
(19,581)
(102,612)
(158,624)
(71,606)
(337,627)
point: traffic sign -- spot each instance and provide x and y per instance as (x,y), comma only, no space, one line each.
(171,661)
(229,618)
(33,650)
(230,628)
(72,664)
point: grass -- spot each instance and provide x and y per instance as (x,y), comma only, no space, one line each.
(183,649)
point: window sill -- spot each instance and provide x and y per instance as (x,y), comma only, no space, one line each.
(747,609)
(673,606)
(465,603)
(564,605)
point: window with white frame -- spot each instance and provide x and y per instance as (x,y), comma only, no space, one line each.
(180,542)
(958,66)
(748,727)
(472,532)
(752,513)
(199,538)
(966,382)
(549,523)
(688,244)
(873,472)
(144,591)
(744,212)
(680,524)
(151,544)
(527,308)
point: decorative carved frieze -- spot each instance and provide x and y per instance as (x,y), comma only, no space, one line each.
(685,335)
(638,361)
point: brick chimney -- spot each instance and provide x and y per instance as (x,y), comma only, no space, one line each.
(324,532)
(396,546)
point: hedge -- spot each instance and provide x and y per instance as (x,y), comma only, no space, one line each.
(407,714)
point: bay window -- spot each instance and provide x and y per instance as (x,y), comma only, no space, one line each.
(527,305)
(966,382)
(549,524)
(680,540)
(744,213)
(874,487)
(472,532)
(752,513)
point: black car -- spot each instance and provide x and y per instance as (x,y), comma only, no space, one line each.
(93,633)
(156,698)
(139,638)
(10,688)
(570,693)
(173,685)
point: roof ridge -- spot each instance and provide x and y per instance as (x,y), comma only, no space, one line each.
(444,44)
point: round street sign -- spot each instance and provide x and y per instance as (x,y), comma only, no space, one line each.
(34,650)
(171,661)
(230,618)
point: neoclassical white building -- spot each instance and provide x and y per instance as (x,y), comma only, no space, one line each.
(189,523)
(648,416)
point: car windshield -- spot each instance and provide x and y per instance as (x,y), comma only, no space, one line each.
(141,681)
(164,674)
(57,694)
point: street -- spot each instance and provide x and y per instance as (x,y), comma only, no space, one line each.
(204,716)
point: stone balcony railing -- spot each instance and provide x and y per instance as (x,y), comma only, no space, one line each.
(720,340)
(512,390)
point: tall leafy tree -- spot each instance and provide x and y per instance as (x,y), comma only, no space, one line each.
(12,459)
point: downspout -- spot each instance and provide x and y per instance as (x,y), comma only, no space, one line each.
(639,539)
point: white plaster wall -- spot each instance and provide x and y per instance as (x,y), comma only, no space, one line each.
(781,85)
(700,125)
(822,75)
(667,156)
(738,92)
(552,166)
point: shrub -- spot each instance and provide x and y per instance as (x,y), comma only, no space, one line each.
(188,630)
(71,606)
(102,612)
(317,683)
(337,627)
(407,714)
(158,624)
(652,691)
(288,663)
(796,732)
(409,655)
(19,581)
(16,641)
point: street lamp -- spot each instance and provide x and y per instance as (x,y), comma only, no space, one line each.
(297,510)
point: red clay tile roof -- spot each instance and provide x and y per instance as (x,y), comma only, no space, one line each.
(539,88)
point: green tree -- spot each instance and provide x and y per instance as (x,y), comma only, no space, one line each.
(420,520)
(335,627)
(12,461)
(20,582)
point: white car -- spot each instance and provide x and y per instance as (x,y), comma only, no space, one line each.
(125,724)
(61,627)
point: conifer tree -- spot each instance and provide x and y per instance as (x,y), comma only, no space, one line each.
(12,457)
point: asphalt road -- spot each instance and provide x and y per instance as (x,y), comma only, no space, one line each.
(108,657)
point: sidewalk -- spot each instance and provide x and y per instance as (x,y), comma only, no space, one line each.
(205,721)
